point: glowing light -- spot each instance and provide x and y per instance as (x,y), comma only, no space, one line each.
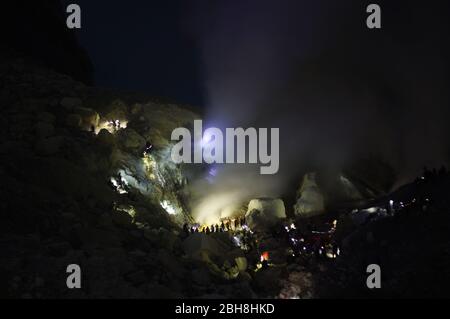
(119,188)
(264,256)
(127,209)
(168,207)
(111,126)
(237,241)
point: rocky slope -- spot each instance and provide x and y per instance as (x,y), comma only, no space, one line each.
(77,189)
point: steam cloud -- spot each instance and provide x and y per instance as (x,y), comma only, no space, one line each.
(336,89)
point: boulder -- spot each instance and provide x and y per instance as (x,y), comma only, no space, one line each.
(310,201)
(264,213)
(105,137)
(241,263)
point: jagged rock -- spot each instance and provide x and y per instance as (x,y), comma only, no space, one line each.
(70,103)
(264,213)
(311,200)
(49,146)
(105,137)
(74,120)
(44,129)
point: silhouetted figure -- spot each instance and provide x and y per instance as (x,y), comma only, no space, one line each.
(222,227)
(207,231)
(92,129)
(148,147)
(186,229)
(236,223)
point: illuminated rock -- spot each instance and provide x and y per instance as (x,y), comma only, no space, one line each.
(264,213)
(88,116)
(311,200)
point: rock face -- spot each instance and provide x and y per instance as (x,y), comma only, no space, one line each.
(264,213)
(311,200)
(131,140)
(74,196)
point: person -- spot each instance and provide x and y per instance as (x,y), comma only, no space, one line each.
(222,227)
(186,229)
(148,147)
(207,231)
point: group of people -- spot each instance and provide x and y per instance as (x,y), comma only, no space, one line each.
(224,226)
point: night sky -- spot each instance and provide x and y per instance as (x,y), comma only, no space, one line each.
(141,46)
